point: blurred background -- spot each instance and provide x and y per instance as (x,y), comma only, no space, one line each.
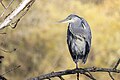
(41,43)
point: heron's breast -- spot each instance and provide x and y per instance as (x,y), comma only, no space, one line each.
(78,45)
(80,42)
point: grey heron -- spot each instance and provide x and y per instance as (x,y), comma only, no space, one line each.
(78,38)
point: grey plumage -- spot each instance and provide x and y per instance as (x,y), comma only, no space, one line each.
(78,38)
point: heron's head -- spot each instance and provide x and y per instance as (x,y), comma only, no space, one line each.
(71,19)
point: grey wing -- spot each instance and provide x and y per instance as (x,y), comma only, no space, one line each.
(76,46)
(88,38)
(69,42)
(86,34)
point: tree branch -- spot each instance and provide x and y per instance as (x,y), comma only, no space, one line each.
(61,78)
(111,76)
(74,71)
(13,69)
(16,22)
(2,4)
(6,8)
(91,77)
(83,71)
(116,65)
(24,4)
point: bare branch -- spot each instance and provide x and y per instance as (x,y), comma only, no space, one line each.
(24,4)
(16,22)
(13,69)
(74,71)
(7,51)
(111,76)
(6,8)
(89,76)
(116,65)
(2,4)
(61,77)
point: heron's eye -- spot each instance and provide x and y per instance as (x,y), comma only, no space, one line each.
(70,18)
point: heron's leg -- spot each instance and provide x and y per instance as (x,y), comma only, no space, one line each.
(76,65)
(77,68)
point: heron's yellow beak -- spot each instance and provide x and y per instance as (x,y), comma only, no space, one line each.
(65,21)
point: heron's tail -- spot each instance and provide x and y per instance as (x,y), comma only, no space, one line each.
(84,59)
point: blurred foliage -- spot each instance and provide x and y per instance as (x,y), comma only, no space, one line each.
(41,43)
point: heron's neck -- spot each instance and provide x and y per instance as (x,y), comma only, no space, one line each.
(76,23)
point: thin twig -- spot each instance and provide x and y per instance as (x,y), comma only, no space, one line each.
(16,22)
(111,76)
(3,33)
(2,4)
(89,76)
(89,73)
(7,51)
(61,77)
(116,65)
(6,8)
(13,69)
